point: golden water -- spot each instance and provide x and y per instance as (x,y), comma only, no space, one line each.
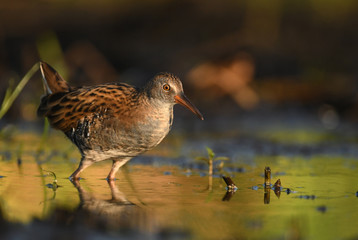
(152,199)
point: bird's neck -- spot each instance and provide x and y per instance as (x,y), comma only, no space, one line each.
(157,107)
(150,101)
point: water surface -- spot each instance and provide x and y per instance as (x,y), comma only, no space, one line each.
(166,193)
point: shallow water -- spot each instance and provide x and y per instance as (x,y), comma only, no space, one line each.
(166,193)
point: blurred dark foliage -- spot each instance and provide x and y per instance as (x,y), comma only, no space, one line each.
(275,52)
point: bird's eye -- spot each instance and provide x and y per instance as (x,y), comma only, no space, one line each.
(166,87)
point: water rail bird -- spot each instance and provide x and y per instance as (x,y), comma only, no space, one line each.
(113,121)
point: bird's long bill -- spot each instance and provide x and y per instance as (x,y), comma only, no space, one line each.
(183,100)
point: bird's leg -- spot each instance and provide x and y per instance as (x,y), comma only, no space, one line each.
(117,163)
(85,163)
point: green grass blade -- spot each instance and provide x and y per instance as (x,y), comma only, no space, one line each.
(8,92)
(10,100)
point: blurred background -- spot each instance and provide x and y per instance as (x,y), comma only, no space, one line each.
(234,56)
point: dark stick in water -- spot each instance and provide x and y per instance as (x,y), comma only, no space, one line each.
(267,177)
(231,188)
(229,182)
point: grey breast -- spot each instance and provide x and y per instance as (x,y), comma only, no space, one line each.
(116,137)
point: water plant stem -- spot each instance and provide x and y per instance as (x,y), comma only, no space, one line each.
(44,136)
(210,167)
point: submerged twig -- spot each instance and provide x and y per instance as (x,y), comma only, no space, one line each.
(231,188)
(228,195)
(267,185)
(267,192)
(230,183)
(267,177)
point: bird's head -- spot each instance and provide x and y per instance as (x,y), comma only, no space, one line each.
(168,88)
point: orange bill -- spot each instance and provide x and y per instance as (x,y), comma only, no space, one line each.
(183,100)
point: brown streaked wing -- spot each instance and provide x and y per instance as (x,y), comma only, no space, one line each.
(65,112)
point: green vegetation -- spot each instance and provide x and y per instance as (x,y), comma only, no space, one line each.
(211,159)
(54,185)
(11,94)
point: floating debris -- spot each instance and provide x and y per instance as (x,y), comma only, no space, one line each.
(167,173)
(277,187)
(255,188)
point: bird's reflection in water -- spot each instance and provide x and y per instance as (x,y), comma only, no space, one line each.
(113,214)
(94,218)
